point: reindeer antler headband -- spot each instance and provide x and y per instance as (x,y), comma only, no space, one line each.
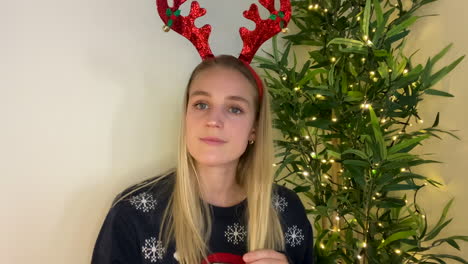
(253,39)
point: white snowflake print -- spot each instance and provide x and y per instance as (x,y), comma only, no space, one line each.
(235,233)
(153,250)
(294,236)
(279,203)
(143,201)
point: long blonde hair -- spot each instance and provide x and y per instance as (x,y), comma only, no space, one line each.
(187,218)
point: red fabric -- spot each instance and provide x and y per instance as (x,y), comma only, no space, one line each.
(223,258)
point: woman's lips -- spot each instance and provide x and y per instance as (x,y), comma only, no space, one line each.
(212,141)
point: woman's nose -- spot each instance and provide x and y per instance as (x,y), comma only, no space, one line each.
(215,118)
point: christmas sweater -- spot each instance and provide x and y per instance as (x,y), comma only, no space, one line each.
(130,230)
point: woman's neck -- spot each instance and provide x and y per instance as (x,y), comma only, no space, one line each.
(219,186)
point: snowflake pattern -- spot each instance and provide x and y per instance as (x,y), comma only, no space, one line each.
(279,203)
(143,201)
(235,233)
(294,236)
(153,249)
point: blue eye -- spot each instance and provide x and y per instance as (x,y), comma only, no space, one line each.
(198,104)
(237,111)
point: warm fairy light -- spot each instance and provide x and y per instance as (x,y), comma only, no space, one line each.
(313,154)
(284,77)
(314,118)
(306,137)
(358,18)
(381,110)
(341,170)
(365,38)
(316,6)
(297,88)
(425,184)
(323,184)
(326,176)
(332,161)
(405,71)
(305,173)
(332,59)
(274,164)
(373,30)
(403,169)
(363,59)
(397,251)
(334,119)
(346,188)
(337,218)
(311,6)
(421,121)
(324,161)
(390,70)
(373,198)
(322,246)
(394,137)
(350,86)
(375,79)
(406,201)
(369,42)
(319,96)
(364,244)
(380,224)
(372,73)
(365,106)
(325,10)
(383,120)
(359,257)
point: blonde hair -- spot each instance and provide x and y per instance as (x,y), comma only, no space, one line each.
(187,218)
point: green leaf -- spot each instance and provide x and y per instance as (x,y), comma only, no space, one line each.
(437,92)
(378,134)
(397,236)
(347,42)
(300,189)
(380,21)
(366,18)
(357,152)
(402,26)
(406,143)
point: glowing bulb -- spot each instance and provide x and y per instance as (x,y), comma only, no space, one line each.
(394,137)
(337,218)
(373,30)
(332,59)
(383,121)
(334,119)
(405,71)
(358,18)
(274,164)
(402,169)
(397,251)
(364,244)
(365,37)
(326,176)
(296,139)
(316,6)
(332,161)
(324,161)
(319,96)
(359,257)
(311,7)
(375,79)
(325,10)
(313,154)
(346,188)
(390,70)
(322,246)
(307,137)
(380,224)
(372,73)
(363,60)
(323,184)
(284,77)
(305,173)
(341,170)
(421,121)
(297,88)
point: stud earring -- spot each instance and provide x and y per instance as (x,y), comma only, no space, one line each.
(251,142)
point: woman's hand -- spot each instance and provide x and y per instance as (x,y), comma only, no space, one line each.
(265,256)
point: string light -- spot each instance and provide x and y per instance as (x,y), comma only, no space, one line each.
(296,139)
(372,73)
(397,251)
(365,37)
(297,88)
(394,138)
(363,60)
(274,164)
(326,176)
(364,244)
(334,119)
(322,246)
(375,79)
(319,96)
(358,18)
(313,154)
(380,224)
(383,120)
(337,218)
(421,121)
(325,10)
(323,184)
(333,59)
(311,6)
(305,173)
(306,137)
(403,169)
(332,161)
(359,257)
(324,161)
(316,6)
(405,71)
(365,106)
(284,77)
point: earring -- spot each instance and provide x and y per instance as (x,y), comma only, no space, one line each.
(251,142)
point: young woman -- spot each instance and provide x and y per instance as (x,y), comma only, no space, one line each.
(220,204)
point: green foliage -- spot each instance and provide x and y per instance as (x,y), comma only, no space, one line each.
(346,115)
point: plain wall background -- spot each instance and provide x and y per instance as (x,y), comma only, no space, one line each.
(90,100)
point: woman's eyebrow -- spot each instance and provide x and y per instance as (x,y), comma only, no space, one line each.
(231,97)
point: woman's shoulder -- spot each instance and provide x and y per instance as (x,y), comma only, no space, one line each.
(146,196)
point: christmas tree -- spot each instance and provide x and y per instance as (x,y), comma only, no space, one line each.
(346,116)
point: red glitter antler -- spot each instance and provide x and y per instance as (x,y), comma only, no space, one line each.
(265,29)
(185,25)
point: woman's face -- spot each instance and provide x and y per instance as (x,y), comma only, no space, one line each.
(221,107)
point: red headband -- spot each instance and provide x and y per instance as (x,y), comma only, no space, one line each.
(252,39)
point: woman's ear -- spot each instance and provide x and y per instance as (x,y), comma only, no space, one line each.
(252,135)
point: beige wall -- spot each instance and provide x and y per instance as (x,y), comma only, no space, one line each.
(430,35)
(90,95)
